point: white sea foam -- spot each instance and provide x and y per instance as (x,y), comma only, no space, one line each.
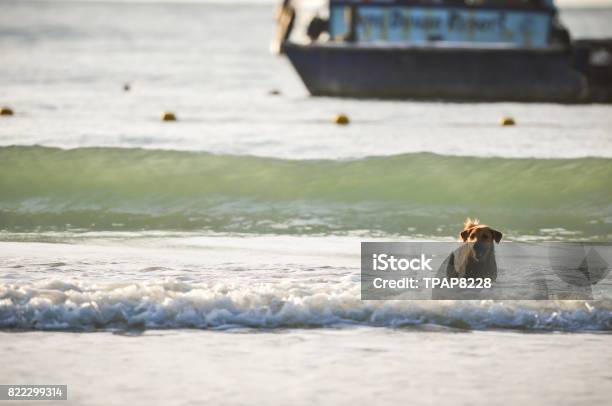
(107,281)
(175,304)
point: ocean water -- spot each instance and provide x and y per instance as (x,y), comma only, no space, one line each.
(215,259)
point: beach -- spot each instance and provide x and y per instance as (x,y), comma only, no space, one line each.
(216,259)
(330,366)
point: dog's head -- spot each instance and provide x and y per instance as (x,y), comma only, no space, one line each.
(481,236)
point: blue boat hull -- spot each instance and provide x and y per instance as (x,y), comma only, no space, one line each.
(439,73)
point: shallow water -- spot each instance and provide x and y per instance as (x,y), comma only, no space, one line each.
(354,366)
(223,283)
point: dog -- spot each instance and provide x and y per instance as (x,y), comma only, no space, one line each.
(475,258)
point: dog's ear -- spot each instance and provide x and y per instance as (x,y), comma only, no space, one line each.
(465,234)
(497,236)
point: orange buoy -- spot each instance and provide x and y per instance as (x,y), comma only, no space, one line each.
(6,111)
(341,119)
(168,116)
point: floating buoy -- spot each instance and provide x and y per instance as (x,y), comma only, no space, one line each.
(6,111)
(168,116)
(274,92)
(126,87)
(341,119)
(507,121)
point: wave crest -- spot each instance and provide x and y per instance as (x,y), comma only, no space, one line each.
(134,189)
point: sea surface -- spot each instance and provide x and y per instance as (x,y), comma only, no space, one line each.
(215,259)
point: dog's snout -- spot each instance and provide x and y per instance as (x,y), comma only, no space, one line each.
(479,249)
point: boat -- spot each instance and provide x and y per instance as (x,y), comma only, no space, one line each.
(470,50)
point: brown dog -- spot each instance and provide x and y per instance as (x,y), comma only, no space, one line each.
(476,257)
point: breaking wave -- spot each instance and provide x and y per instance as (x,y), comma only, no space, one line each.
(420,193)
(172,304)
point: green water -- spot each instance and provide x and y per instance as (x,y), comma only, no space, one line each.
(408,194)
